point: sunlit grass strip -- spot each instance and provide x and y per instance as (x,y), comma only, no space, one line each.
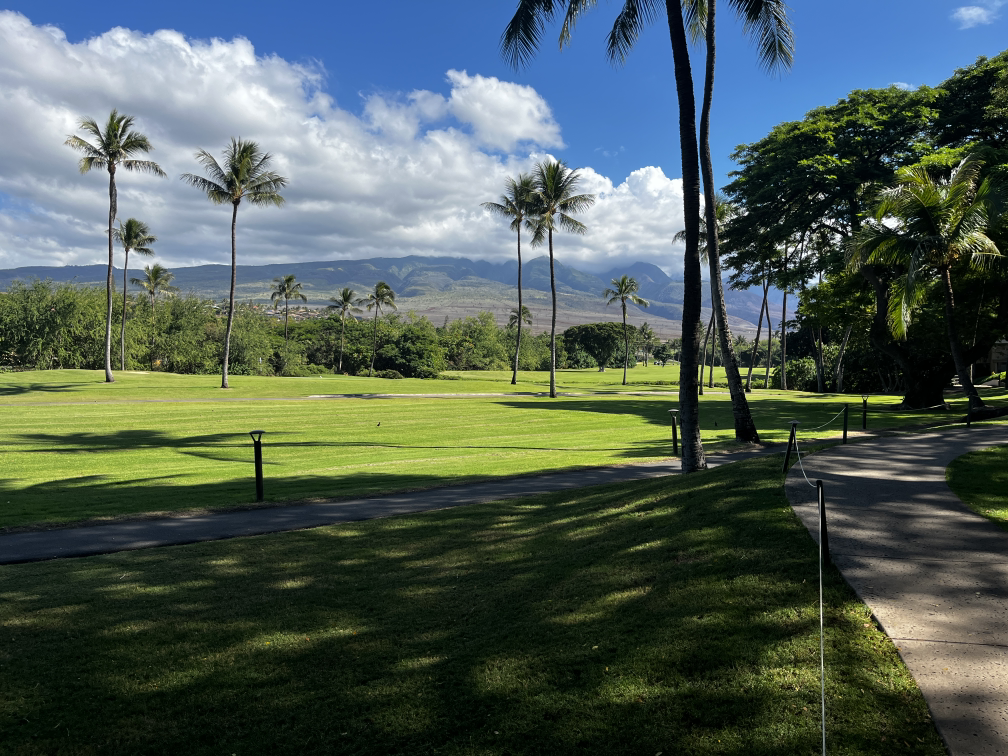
(674,616)
(980,479)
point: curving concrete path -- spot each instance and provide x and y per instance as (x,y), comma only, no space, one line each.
(934,574)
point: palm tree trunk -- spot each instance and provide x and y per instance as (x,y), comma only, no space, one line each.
(342,330)
(626,343)
(153,330)
(689,401)
(962,369)
(374,343)
(783,342)
(759,328)
(820,380)
(231,299)
(553,392)
(713,348)
(286,315)
(109,283)
(769,347)
(703,362)
(745,428)
(514,376)
(122,328)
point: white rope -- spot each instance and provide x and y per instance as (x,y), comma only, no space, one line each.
(828,421)
(800,462)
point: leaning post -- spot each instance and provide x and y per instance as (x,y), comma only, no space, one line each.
(675,433)
(257,443)
(791,443)
(846,408)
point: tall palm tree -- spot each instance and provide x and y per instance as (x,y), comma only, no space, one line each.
(518,204)
(624,289)
(382,296)
(245,174)
(556,201)
(114,145)
(927,226)
(345,304)
(287,288)
(157,280)
(526,316)
(132,235)
(765,19)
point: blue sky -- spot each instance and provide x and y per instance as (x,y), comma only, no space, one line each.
(615,121)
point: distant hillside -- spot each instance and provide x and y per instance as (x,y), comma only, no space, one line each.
(445,287)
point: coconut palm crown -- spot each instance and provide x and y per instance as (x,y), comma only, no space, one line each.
(382,296)
(134,236)
(286,288)
(244,175)
(114,146)
(624,289)
(156,281)
(345,304)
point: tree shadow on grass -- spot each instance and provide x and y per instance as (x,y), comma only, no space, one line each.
(10,389)
(674,617)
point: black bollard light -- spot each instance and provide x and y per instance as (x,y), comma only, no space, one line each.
(864,411)
(675,433)
(257,443)
(792,441)
(846,408)
(823,534)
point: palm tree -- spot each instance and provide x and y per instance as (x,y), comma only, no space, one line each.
(765,19)
(157,280)
(133,235)
(345,304)
(382,296)
(624,289)
(114,146)
(286,289)
(244,175)
(526,316)
(927,226)
(518,204)
(555,201)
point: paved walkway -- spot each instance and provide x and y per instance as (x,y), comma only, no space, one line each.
(166,531)
(934,574)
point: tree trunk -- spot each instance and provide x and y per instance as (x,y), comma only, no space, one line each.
(745,428)
(553,325)
(374,343)
(703,360)
(109,283)
(514,375)
(231,297)
(339,369)
(957,354)
(626,344)
(783,343)
(122,327)
(838,372)
(153,326)
(286,315)
(759,328)
(819,360)
(689,401)
(713,349)
(769,347)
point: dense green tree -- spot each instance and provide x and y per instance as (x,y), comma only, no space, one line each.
(599,340)
(245,175)
(474,343)
(343,305)
(624,289)
(556,202)
(939,224)
(114,146)
(286,288)
(518,204)
(134,236)
(156,281)
(382,296)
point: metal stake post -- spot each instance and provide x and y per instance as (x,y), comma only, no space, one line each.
(846,408)
(864,411)
(790,444)
(823,534)
(257,443)
(675,433)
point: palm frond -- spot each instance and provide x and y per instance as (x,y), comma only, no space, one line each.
(144,166)
(215,192)
(575,8)
(634,16)
(767,21)
(520,40)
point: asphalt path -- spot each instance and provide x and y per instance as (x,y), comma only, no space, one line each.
(934,574)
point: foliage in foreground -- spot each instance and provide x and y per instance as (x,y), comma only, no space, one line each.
(677,615)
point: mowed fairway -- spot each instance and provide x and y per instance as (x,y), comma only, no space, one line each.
(75,448)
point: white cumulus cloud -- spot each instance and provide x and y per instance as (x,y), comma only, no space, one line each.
(404,175)
(968,16)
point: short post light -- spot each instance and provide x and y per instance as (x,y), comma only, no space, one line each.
(864,411)
(675,433)
(257,443)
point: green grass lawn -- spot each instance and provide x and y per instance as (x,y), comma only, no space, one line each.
(76,448)
(980,479)
(677,616)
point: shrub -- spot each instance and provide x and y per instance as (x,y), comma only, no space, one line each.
(388,374)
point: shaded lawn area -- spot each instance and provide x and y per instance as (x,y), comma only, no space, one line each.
(980,479)
(674,616)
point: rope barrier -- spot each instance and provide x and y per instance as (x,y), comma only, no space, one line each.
(828,421)
(800,463)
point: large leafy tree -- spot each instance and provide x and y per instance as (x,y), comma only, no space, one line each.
(557,201)
(382,296)
(115,145)
(624,289)
(134,236)
(244,175)
(343,305)
(764,19)
(517,204)
(927,226)
(286,288)
(157,280)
